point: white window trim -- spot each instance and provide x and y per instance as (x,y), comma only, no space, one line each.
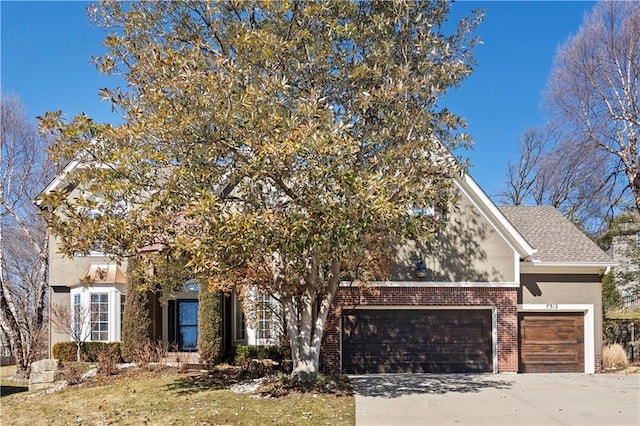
(589,326)
(234,312)
(114,308)
(97,320)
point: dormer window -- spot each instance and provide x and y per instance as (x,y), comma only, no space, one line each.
(430,212)
(97,200)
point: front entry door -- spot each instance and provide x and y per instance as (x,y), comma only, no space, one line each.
(187,325)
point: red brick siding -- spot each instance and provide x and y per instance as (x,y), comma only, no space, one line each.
(503,299)
(599,368)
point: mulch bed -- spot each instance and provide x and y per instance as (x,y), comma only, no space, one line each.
(272,385)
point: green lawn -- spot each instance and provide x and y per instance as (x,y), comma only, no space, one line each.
(171,398)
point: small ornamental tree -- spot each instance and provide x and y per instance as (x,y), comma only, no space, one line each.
(73,321)
(209,325)
(281,145)
(135,323)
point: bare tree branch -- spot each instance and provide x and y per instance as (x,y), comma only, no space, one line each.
(24,171)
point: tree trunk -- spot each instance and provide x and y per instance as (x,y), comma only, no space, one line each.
(10,323)
(11,326)
(305,319)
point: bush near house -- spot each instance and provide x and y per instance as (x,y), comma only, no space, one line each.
(209,326)
(243,354)
(614,357)
(90,351)
(135,322)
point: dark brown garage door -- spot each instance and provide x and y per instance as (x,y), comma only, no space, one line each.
(417,341)
(551,343)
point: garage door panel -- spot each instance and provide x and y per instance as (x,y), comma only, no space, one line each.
(551,342)
(384,341)
(562,330)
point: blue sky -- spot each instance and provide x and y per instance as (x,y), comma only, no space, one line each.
(46,47)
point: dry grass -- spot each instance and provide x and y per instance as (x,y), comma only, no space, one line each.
(168,397)
(614,357)
(9,387)
(624,314)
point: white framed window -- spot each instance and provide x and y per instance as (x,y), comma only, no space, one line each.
(100,311)
(632,265)
(264,317)
(77,315)
(99,321)
(435,213)
(239,322)
(123,299)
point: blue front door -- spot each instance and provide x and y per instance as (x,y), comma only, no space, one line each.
(187,325)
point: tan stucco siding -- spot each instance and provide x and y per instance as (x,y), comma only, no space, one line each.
(67,271)
(65,274)
(468,249)
(58,296)
(569,289)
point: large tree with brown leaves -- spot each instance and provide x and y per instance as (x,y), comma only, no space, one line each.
(274,144)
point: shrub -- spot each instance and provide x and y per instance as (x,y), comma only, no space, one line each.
(145,353)
(135,324)
(107,358)
(209,326)
(73,371)
(614,357)
(66,351)
(243,354)
(611,298)
(92,350)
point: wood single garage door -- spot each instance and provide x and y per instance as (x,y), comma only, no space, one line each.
(417,341)
(551,342)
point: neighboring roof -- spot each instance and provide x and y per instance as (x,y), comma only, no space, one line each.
(556,239)
(104,273)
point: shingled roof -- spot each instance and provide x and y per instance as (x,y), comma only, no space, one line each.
(554,237)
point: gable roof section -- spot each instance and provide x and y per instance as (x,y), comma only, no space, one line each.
(464,182)
(558,241)
(59,181)
(494,216)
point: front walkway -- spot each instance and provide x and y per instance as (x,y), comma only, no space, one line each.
(493,399)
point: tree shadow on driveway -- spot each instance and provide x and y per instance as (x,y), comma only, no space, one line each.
(396,385)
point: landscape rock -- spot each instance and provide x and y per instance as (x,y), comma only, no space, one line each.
(44,374)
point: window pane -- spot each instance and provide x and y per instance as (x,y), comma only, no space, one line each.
(100,317)
(188,313)
(264,318)
(187,325)
(188,338)
(239,325)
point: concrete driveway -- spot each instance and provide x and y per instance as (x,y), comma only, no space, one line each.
(497,399)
